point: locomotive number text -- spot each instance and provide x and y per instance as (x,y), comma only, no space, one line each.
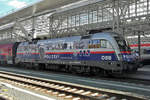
(106,57)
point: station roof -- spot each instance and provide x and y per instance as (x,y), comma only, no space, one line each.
(6,26)
(36,8)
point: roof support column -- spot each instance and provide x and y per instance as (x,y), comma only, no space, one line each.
(25,35)
(33,35)
(113,15)
(118,16)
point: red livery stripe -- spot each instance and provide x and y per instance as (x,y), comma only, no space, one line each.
(92,52)
(102,52)
(35,53)
(126,52)
(4,54)
(59,52)
(142,45)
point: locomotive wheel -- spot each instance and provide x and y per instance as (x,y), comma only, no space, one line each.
(108,73)
(72,69)
(41,66)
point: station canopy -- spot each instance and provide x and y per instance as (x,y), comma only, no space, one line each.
(34,9)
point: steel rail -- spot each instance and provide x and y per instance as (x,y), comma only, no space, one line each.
(66,90)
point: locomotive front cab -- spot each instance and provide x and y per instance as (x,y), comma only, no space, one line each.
(128,58)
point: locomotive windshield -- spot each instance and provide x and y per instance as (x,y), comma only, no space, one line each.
(122,44)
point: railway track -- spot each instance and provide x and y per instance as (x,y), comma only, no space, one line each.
(66,91)
(129,78)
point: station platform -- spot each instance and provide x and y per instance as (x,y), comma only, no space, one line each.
(4,95)
(10,92)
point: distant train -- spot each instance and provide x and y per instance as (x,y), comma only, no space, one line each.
(145,52)
(95,53)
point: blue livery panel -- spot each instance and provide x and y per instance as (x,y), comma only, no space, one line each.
(93,56)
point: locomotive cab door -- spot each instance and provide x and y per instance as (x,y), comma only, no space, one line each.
(9,56)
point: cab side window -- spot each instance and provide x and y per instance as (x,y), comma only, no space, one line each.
(104,43)
(94,43)
(99,43)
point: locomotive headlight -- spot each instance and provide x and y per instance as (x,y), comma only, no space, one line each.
(112,63)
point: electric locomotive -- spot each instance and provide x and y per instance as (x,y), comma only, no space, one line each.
(94,53)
